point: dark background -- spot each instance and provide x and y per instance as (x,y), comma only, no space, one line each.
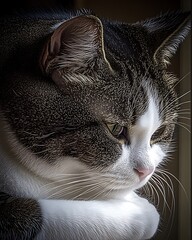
(26,5)
(128,11)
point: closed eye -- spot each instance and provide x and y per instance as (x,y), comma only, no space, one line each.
(115,129)
(118,131)
(159,134)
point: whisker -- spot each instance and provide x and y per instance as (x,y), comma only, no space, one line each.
(154,193)
(182,103)
(105,191)
(188,110)
(166,173)
(77,174)
(166,108)
(65,183)
(184,113)
(162,191)
(181,79)
(183,126)
(187,118)
(170,187)
(176,83)
(148,191)
(183,123)
(96,186)
(78,186)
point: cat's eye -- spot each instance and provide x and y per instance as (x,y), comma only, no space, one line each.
(159,134)
(119,132)
(115,129)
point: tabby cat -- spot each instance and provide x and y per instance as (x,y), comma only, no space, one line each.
(87,112)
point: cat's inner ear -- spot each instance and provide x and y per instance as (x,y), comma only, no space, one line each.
(167,32)
(75,44)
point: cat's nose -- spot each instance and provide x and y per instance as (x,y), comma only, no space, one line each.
(143,172)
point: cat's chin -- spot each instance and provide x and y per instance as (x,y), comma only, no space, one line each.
(143,182)
(121,192)
(90,190)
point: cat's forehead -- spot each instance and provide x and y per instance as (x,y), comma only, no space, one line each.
(123,102)
(150,120)
(130,46)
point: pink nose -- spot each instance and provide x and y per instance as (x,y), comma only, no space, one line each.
(143,172)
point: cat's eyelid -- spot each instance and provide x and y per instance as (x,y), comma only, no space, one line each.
(121,123)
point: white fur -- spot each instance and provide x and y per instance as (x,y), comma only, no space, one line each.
(140,153)
(98,220)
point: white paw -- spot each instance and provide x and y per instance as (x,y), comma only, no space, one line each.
(148,216)
(152,220)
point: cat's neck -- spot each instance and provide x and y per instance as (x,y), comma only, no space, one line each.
(13,173)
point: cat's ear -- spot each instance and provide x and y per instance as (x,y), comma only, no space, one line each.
(167,32)
(75,45)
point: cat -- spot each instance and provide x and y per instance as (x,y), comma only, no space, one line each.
(88,111)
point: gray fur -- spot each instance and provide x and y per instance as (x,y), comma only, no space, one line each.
(19,218)
(63,112)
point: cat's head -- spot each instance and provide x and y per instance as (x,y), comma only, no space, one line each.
(104,107)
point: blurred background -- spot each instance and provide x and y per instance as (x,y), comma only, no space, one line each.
(175,210)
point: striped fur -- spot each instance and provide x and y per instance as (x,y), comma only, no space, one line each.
(64,77)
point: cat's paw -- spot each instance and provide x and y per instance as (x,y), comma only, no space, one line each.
(149,215)
(134,219)
(152,219)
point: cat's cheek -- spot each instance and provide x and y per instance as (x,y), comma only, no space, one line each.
(157,155)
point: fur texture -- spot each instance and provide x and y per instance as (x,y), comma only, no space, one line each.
(87,112)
